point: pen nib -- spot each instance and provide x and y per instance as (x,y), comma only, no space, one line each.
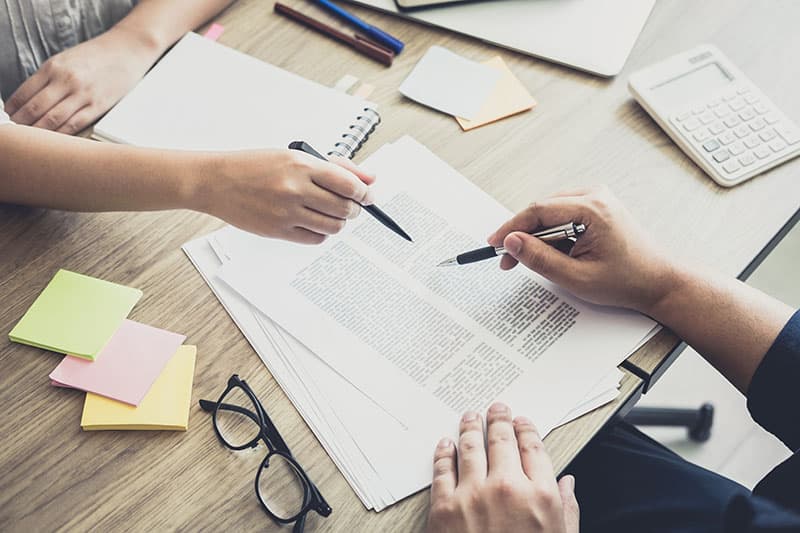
(449,262)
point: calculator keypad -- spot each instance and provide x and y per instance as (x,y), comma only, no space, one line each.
(738,132)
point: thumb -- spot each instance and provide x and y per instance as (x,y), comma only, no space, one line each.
(538,256)
(572,513)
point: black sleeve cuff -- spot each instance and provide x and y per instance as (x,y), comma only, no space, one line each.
(774,395)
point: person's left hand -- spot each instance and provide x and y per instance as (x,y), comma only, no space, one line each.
(510,489)
(73,88)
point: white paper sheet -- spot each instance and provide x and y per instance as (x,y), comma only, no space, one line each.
(450,83)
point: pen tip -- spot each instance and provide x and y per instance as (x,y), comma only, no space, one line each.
(448,262)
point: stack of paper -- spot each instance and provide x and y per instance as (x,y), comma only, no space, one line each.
(476,94)
(136,376)
(381,351)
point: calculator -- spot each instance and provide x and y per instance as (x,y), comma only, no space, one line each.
(716,115)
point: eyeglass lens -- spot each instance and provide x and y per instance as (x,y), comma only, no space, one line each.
(237,427)
(281,487)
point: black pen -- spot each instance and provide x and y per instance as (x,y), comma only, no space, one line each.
(558,233)
(372,209)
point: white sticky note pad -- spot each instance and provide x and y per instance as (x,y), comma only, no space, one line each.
(450,83)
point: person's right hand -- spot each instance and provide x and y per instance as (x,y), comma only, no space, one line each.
(283,194)
(613,263)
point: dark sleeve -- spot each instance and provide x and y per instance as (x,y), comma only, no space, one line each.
(774,395)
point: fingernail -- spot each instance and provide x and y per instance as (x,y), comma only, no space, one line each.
(523,420)
(498,408)
(571,483)
(469,416)
(444,443)
(513,245)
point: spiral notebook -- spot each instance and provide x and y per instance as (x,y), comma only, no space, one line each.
(205,96)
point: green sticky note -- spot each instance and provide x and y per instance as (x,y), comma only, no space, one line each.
(75,314)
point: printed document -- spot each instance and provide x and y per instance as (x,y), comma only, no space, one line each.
(425,343)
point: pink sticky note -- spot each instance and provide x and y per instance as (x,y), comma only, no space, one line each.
(214,31)
(127,365)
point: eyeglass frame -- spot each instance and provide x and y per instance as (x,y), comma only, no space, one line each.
(268,432)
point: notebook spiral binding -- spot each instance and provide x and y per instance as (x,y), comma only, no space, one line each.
(357,134)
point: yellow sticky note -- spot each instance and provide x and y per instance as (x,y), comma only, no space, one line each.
(166,405)
(509,97)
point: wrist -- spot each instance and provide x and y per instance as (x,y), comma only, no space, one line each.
(144,42)
(198,176)
(671,286)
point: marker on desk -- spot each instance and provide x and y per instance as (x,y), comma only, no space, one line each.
(365,46)
(372,209)
(376,34)
(558,233)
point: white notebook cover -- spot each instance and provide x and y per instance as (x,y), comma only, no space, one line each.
(205,96)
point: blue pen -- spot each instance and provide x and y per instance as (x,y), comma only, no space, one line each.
(372,32)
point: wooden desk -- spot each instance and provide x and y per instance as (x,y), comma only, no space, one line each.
(585,131)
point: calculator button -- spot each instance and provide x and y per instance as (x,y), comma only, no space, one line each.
(742,131)
(682,116)
(758,124)
(752,141)
(701,135)
(751,98)
(790,134)
(743,90)
(771,118)
(747,159)
(729,96)
(691,124)
(716,128)
(722,111)
(728,137)
(721,156)
(777,145)
(767,135)
(760,108)
(711,145)
(706,118)
(714,102)
(736,148)
(761,152)
(737,104)
(731,166)
(747,114)
(698,109)
(731,121)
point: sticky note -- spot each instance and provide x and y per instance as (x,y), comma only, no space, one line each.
(509,97)
(75,314)
(450,83)
(165,407)
(345,83)
(214,32)
(126,367)
(365,90)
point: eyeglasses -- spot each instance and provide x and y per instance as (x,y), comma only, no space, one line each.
(283,488)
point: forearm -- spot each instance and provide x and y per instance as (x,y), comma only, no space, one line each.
(728,322)
(46,169)
(159,23)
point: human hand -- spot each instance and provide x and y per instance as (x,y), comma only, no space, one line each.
(73,88)
(613,263)
(284,194)
(511,489)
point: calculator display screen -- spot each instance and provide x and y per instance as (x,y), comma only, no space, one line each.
(692,85)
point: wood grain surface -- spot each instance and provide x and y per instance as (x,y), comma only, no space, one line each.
(585,131)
